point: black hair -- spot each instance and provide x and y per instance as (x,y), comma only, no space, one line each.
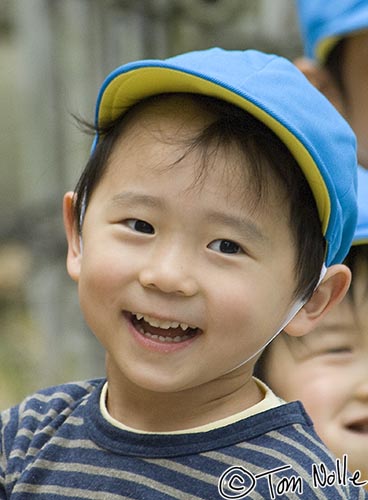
(335,63)
(357,262)
(262,152)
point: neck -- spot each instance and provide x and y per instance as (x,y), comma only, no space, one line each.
(150,411)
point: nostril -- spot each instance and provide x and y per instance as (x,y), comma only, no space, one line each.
(168,280)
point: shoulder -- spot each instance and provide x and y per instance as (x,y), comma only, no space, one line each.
(44,410)
(57,398)
(288,429)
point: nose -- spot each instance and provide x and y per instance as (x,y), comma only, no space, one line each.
(361,387)
(169,271)
(361,390)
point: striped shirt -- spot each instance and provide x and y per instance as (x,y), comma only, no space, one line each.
(58,445)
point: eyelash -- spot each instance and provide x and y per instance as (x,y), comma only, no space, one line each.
(339,350)
(227,247)
(145,227)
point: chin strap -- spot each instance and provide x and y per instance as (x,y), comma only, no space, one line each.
(295,308)
(81,219)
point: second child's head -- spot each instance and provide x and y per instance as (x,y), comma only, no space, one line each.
(193,230)
(328,368)
(335,37)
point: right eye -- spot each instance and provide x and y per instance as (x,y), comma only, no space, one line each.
(225,246)
(140,226)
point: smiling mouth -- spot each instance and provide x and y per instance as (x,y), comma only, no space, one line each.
(164,331)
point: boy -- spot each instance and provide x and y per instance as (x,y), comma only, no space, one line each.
(211,202)
(335,36)
(328,369)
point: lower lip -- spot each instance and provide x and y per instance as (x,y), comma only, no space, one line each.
(156,345)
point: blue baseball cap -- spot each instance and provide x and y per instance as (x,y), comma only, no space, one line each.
(323,23)
(361,232)
(273,90)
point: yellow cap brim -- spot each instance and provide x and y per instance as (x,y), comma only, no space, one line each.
(128,88)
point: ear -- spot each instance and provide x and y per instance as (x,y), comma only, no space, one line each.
(74,257)
(320,78)
(329,293)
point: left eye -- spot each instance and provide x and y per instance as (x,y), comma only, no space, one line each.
(140,226)
(225,246)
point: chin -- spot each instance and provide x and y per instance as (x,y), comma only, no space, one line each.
(158,382)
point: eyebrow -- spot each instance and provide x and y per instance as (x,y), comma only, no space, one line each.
(337,328)
(241,225)
(128,197)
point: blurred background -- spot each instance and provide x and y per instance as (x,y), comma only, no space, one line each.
(54,55)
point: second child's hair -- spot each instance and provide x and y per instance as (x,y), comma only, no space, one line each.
(263,155)
(334,65)
(357,262)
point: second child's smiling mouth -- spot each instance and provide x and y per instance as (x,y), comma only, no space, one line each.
(162,331)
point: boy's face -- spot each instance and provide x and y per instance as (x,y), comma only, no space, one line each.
(159,244)
(355,77)
(328,371)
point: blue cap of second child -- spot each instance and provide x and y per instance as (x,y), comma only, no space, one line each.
(273,90)
(361,232)
(324,22)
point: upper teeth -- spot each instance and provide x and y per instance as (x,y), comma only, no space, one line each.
(165,325)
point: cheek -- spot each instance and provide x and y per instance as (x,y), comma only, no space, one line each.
(229,308)
(320,391)
(102,280)
(239,311)
(297,380)
(245,297)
